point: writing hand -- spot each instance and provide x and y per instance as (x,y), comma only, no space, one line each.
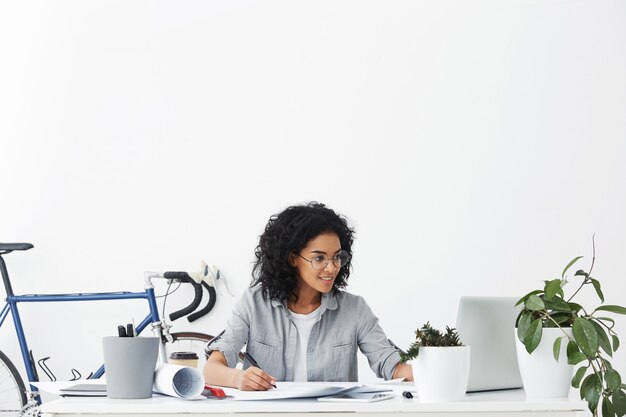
(255,379)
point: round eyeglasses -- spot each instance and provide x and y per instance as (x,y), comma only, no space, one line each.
(321,261)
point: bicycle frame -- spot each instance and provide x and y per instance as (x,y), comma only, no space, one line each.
(13,300)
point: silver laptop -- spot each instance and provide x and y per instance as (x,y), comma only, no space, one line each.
(486,325)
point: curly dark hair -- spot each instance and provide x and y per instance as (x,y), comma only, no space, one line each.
(290,231)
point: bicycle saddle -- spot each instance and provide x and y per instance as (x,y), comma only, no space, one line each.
(15,246)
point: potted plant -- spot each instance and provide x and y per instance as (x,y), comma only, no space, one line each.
(440,364)
(584,335)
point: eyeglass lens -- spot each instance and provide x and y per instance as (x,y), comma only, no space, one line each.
(339,260)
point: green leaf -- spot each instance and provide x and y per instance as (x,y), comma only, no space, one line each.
(572,347)
(534,303)
(556,348)
(533,336)
(615,342)
(524,298)
(612,309)
(575,307)
(574,355)
(563,319)
(610,320)
(552,288)
(581,272)
(586,336)
(619,402)
(523,324)
(572,262)
(578,376)
(607,408)
(590,390)
(613,379)
(596,285)
(603,339)
(576,358)
(558,304)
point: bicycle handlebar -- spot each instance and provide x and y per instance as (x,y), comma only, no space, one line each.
(184,277)
(206,309)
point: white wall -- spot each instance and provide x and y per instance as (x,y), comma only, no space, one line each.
(475,145)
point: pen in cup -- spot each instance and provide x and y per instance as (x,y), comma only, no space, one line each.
(126,331)
(253,363)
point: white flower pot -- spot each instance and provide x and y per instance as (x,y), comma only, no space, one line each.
(541,374)
(441,373)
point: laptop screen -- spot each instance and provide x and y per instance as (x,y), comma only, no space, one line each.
(487,325)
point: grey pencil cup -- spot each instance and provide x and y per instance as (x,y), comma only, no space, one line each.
(129,364)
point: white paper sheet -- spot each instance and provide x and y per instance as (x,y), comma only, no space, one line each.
(287,390)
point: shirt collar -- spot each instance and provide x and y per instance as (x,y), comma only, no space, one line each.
(329,302)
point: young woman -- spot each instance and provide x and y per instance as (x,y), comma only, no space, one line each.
(295,321)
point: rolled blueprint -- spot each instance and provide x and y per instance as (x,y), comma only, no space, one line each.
(178,381)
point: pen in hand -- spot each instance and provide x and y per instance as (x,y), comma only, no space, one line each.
(253,363)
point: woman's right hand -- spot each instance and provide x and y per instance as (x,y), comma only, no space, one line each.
(217,372)
(255,379)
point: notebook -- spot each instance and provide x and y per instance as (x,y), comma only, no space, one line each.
(84,390)
(487,324)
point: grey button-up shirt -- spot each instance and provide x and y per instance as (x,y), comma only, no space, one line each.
(346,323)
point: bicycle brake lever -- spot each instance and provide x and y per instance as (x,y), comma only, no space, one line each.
(200,275)
(209,278)
(219,277)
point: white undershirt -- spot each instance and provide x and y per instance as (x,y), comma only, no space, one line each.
(304,323)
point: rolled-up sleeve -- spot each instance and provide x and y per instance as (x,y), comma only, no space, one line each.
(381,355)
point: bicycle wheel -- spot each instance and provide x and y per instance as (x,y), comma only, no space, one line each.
(12,390)
(189,342)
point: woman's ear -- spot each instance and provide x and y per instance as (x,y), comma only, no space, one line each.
(292,259)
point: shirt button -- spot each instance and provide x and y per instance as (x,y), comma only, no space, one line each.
(310,374)
(310,350)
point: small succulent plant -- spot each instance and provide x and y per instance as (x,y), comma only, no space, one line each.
(429,336)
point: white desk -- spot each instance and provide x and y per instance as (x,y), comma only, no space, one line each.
(512,403)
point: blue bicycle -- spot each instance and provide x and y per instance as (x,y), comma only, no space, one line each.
(16,399)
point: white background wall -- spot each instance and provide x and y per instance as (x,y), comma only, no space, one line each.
(476,146)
